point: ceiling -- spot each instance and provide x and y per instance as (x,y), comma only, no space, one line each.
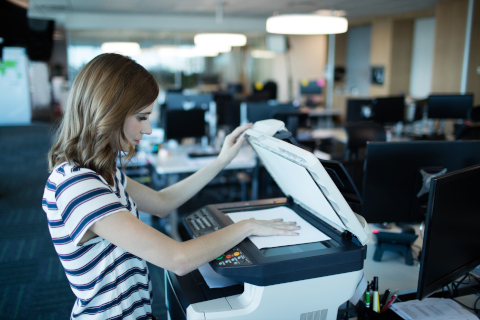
(354,9)
(246,16)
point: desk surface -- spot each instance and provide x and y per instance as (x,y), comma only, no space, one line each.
(392,271)
(340,135)
(177,160)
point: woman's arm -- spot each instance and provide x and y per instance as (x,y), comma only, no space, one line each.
(127,232)
(161,203)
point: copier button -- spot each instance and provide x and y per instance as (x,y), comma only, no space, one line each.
(220,258)
(228,256)
(207,223)
(200,223)
(195,226)
(236,254)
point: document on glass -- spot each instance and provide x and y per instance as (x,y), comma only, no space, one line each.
(307,232)
(432,309)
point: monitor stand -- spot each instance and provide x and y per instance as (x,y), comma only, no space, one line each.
(399,242)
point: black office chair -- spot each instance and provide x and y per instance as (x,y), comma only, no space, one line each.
(474,114)
(471,129)
(358,135)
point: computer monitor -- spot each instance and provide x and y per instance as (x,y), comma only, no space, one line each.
(257,111)
(181,124)
(449,106)
(393,183)
(388,109)
(357,110)
(228,114)
(451,245)
(180,101)
(310,87)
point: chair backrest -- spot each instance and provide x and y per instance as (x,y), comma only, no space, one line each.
(474,114)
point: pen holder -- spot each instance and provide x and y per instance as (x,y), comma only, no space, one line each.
(371,315)
(364,313)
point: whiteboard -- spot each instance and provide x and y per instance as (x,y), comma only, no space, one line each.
(15,105)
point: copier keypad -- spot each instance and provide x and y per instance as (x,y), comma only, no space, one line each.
(202,223)
(233,257)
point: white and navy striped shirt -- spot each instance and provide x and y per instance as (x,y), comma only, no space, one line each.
(109,282)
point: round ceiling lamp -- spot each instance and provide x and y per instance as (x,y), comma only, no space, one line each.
(306,24)
(228,39)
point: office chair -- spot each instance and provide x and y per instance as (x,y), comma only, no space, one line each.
(358,134)
(471,129)
(474,114)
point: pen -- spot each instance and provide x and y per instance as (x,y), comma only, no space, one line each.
(376,300)
(367,296)
(390,301)
(385,296)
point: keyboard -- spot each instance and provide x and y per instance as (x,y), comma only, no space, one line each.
(202,154)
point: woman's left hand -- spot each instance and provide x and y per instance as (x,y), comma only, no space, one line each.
(232,144)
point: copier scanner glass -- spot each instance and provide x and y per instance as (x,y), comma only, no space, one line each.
(309,238)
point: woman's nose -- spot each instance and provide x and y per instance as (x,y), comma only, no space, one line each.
(147,127)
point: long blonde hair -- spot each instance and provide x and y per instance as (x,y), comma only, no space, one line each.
(107,90)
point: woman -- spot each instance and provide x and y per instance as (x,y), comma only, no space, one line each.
(92,207)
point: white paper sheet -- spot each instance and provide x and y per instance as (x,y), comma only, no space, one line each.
(307,232)
(213,279)
(432,309)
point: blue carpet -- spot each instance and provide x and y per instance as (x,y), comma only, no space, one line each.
(33,284)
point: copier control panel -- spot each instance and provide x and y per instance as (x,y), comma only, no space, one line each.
(202,222)
(232,257)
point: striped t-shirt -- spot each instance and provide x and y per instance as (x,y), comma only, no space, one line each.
(109,282)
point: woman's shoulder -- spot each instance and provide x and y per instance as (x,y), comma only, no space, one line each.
(68,170)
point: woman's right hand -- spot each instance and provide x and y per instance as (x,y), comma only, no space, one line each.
(274,227)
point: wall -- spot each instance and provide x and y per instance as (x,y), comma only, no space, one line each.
(422,58)
(358,60)
(401,60)
(451,17)
(381,53)
(306,59)
(390,47)
(473,81)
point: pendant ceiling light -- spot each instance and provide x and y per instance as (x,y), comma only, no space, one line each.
(305,24)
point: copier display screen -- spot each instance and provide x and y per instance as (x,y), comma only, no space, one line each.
(269,252)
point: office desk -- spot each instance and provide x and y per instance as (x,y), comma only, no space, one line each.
(177,160)
(392,271)
(174,162)
(340,135)
(322,117)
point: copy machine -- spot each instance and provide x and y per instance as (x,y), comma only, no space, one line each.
(301,281)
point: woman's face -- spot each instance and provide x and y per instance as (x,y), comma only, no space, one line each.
(136,126)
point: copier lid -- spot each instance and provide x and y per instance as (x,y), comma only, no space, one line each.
(299,174)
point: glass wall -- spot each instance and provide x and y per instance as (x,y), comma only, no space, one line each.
(172,59)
